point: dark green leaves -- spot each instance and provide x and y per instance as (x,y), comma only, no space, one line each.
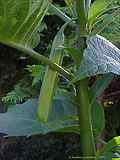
(100,57)
(75,54)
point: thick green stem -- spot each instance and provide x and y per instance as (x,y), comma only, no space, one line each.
(86,132)
(80,8)
(40,58)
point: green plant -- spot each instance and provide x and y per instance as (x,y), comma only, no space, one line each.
(77,109)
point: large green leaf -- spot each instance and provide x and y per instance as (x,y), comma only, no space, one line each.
(100,57)
(21,120)
(19,20)
(20,33)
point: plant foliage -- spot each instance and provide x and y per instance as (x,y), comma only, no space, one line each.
(57,110)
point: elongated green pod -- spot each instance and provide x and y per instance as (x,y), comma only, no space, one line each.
(51,78)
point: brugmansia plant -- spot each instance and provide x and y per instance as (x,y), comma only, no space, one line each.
(65,110)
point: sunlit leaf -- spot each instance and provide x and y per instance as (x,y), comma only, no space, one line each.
(23,18)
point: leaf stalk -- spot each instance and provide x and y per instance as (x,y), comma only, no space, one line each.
(40,58)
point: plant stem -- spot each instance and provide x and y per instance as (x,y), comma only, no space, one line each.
(86,132)
(40,58)
(80,8)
